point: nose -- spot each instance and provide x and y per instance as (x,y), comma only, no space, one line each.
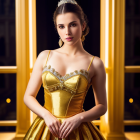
(67,31)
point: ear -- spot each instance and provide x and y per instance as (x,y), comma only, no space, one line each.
(84,26)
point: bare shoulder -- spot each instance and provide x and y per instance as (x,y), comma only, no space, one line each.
(97,62)
(41,58)
(98,65)
(43,53)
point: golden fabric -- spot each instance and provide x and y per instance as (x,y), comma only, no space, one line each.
(64,97)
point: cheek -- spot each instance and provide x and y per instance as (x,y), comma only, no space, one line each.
(59,32)
(77,32)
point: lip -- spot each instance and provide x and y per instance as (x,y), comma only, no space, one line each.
(69,38)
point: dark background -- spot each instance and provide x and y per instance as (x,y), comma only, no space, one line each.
(47,38)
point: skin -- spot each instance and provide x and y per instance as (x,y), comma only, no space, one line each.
(71,56)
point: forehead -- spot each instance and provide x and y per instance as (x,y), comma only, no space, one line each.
(66,18)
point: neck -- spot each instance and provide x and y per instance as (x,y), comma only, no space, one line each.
(73,49)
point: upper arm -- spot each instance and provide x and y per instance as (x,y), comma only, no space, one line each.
(99,82)
(35,81)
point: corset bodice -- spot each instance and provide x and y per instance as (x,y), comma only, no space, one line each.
(64,95)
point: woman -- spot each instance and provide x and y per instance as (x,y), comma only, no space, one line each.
(66,75)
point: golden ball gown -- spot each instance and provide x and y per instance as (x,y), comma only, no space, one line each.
(64,97)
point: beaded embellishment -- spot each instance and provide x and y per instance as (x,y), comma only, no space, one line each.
(63,78)
(58,87)
(67,76)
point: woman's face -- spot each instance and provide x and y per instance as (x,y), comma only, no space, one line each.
(68,25)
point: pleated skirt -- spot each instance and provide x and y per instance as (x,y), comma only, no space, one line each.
(40,131)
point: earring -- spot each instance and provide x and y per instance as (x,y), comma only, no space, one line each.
(83,38)
(60,42)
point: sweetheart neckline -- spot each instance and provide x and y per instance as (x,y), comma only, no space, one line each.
(66,73)
(87,77)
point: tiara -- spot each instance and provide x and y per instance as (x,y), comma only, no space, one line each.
(66,1)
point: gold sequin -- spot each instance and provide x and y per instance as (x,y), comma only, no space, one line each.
(66,75)
(53,70)
(57,73)
(81,71)
(76,71)
(71,73)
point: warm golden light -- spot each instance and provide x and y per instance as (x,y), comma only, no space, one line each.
(106,114)
(31,46)
(130,100)
(30,34)
(106,49)
(8,100)
(106,33)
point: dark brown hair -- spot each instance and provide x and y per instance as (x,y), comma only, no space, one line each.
(74,8)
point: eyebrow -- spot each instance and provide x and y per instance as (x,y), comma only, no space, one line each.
(69,23)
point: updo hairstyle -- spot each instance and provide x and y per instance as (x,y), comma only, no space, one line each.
(74,8)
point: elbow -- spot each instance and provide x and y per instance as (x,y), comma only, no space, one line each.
(105,109)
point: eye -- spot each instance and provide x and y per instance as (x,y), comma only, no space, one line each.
(73,24)
(60,26)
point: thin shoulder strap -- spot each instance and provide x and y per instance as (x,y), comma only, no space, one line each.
(90,63)
(47,57)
